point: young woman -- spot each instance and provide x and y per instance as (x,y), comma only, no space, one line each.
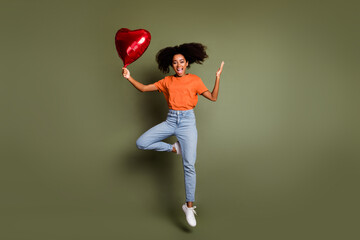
(181,92)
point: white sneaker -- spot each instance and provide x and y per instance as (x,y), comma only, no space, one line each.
(177,147)
(190,215)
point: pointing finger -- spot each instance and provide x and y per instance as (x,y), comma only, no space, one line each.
(222,65)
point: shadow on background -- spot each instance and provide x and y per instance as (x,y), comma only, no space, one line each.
(159,165)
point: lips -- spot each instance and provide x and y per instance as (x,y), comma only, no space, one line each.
(179,70)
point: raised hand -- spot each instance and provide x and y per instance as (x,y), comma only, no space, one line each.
(218,73)
(126,73)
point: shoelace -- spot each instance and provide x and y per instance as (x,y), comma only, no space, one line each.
(193,209)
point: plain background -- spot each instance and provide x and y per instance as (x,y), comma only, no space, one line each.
(278,153)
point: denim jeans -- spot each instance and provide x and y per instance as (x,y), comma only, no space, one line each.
(182,124)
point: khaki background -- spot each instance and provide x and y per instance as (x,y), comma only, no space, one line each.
(278,153)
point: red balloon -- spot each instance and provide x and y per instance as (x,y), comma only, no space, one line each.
(131,44)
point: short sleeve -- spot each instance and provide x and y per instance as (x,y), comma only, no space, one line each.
(160,85)
(200,87)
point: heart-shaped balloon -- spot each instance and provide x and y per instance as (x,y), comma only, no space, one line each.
(131,44)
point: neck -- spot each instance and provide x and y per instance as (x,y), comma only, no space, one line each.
(181,76)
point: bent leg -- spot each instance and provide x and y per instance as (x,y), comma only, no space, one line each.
(152,139)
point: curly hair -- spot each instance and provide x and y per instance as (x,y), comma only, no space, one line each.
(193,53)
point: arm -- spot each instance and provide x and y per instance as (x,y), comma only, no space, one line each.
(214,94)
(139,86)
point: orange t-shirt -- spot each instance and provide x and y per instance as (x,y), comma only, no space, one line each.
(181,93)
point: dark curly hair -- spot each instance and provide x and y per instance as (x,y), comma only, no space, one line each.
(193,53)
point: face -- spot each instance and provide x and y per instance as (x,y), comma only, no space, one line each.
(179,65)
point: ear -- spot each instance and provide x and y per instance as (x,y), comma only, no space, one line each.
(187,63)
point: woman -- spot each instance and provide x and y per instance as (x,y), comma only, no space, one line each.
(181,92)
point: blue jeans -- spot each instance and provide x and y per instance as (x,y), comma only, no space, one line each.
(182,124)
